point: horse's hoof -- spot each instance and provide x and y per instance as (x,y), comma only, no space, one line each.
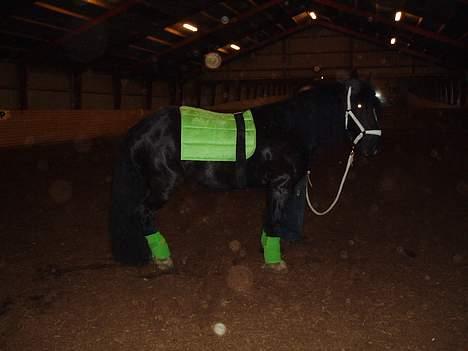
(280,267)
(165,266)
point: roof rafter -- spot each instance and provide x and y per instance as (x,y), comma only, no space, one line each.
(99,3)
(115,11)
(268,41)
(202,34)
(61,10)
(40,23)
(377,18)
(369,38)
(132,42)
(230,8)
(336,28)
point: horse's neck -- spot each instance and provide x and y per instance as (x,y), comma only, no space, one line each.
(314,119)
(330,117)
(278,116)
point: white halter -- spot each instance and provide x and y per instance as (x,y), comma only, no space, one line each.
(349,112)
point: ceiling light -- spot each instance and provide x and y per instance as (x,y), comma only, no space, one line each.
(313,15)
(190,27)
(235,47)
(397,16)
(393,41)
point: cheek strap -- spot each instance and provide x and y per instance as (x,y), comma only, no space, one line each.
(362,131)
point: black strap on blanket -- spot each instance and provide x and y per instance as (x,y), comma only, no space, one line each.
(241,162)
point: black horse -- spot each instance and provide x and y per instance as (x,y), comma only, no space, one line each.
(287,133)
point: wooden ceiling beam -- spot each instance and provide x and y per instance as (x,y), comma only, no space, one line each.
(39,23)
(268,41)
(280,26)
(160,26)
(22,35)
(90,23)
(158,40)
(174,31)
(137,47)
(202,34)
(336,28)
(61,10)
(113,12)
(369,38)
(99,3)
(210,17)
(230,8)
(399,25)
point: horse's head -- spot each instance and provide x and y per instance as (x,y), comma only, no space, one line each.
(361,116)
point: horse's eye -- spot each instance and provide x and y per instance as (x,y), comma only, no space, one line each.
(359,106)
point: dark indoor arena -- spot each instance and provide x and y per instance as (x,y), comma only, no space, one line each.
(234,175)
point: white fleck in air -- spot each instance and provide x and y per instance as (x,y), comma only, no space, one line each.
(219,329)
(235,246)
(344,255)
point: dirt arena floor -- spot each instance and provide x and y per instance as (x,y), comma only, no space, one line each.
(386,270)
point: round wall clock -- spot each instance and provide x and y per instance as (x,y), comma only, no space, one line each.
(213,60)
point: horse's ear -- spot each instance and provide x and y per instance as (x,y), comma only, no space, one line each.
(355,85)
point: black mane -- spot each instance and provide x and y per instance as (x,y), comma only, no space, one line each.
(314,116)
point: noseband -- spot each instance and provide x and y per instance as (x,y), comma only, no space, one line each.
(349,113)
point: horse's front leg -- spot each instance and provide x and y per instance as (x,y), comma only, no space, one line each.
(280,189)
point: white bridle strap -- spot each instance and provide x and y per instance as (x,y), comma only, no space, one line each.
(349,113)
(348,107)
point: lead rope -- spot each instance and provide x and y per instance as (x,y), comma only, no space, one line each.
(363,131)
(309,185)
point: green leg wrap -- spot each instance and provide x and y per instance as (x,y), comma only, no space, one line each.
(158,246)
(271,248)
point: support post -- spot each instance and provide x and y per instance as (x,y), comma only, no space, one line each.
(226,91)
(175,92)
(117,91)
(75,89)
(198,92)
(148,94)
(22,72)
(463,90)
(213,93)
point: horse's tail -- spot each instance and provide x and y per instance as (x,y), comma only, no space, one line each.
(129,245)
